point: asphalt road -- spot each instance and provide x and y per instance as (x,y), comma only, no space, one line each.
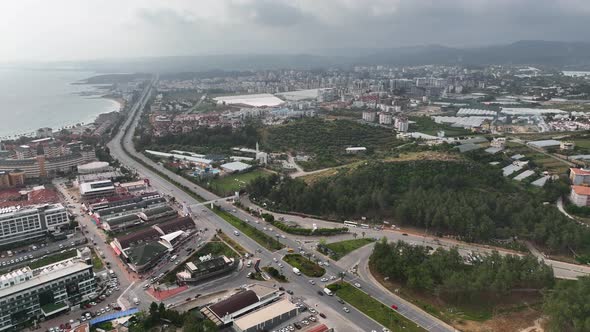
(211,221)
(208,218)
(561,270)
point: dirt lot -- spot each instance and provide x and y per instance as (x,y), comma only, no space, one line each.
(523,321)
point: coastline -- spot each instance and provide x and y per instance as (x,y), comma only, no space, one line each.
(117,100)
(67,102)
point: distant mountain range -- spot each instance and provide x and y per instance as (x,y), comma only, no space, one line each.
(522,52)
(575,55)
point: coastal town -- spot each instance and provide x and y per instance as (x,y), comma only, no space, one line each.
(210,238)
(281,166)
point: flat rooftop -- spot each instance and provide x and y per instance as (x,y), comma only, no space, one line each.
(46,274)
(256,100)
(97,186)
(267,313)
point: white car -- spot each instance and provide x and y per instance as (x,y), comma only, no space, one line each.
(346,309)
(284,237)
(357,285)
(312,282)
(324,279)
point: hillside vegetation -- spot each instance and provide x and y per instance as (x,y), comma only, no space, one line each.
(326,141)
(462,198)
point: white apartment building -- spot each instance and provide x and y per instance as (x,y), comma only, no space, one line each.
(580,195)
(97,189)
(385,118)
(19,224)
(369,116)
(43,292)
(401,125)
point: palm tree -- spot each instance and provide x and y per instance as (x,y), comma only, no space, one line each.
(363,233)
(354,235)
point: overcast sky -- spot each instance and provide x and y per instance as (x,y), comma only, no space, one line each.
(94,29)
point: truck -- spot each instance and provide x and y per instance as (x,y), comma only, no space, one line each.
(296,271)
(328,292)
(173,258)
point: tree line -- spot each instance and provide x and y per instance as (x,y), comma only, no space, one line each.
(202,139)
(567,306)
(444,272)
(460,198)
(159,315)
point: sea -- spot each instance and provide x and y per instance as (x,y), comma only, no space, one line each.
(32,98)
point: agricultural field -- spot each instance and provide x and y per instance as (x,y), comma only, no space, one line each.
(227,185)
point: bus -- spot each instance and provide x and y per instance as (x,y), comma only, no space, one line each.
(350,223)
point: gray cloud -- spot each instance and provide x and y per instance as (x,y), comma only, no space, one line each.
(163,27)
(269,13)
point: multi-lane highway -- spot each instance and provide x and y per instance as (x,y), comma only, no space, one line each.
(210,220)
(561,270)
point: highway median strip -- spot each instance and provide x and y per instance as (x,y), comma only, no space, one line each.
(260,237)
(373,308)
(305,265)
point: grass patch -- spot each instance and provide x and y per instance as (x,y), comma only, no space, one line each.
(307,267)
(342,248)
(216,248)
(275,274)
(373,308)
(263,239)
(232,244)
(582,143)
(53,259)
(97,264)
(426,125)
(227,185)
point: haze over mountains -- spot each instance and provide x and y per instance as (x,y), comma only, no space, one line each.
(574,55)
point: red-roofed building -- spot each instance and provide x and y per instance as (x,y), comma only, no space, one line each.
(580,195)
(43,196)
(12,197)
(579,176)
